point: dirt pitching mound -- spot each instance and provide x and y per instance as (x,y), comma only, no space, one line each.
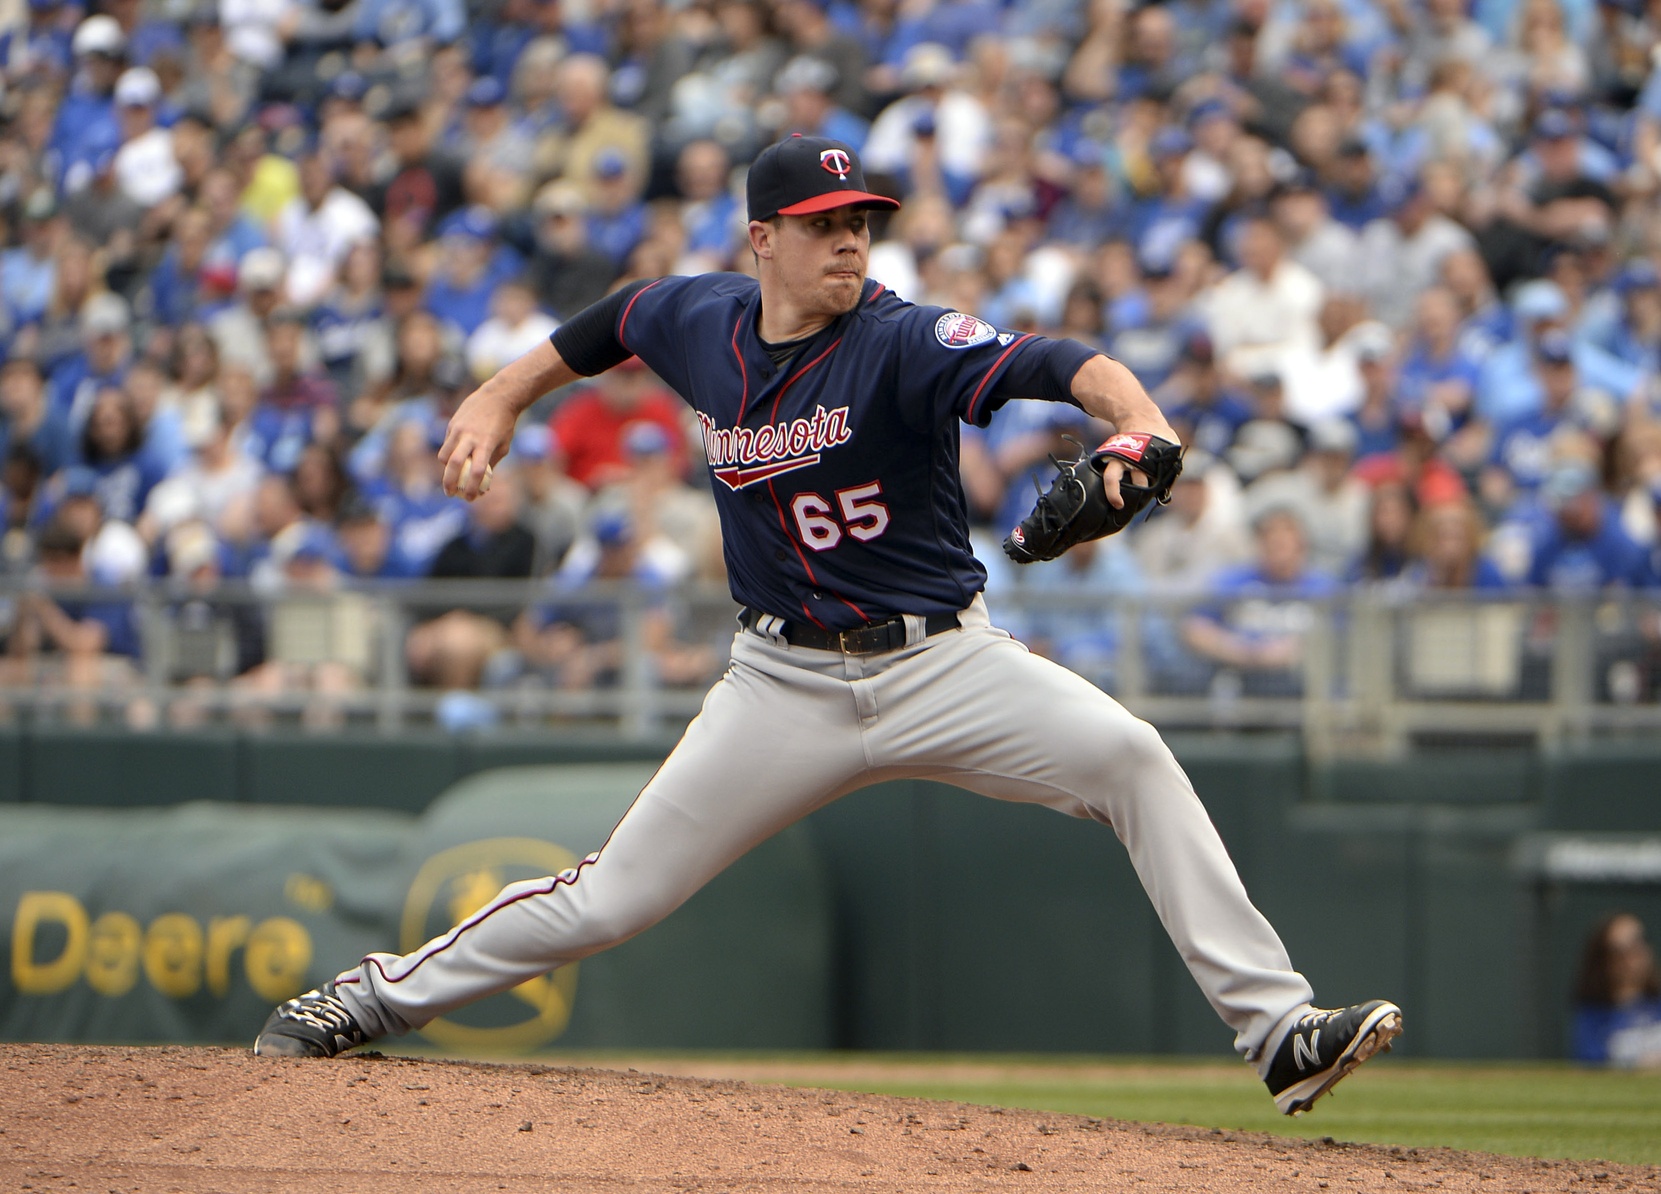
(80,1118)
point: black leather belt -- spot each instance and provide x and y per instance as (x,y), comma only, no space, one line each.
(869,639)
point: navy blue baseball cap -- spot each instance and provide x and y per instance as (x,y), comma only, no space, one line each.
(803,175)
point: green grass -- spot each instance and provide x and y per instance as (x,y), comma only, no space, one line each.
(1523,1109)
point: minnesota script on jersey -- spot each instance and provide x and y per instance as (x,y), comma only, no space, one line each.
(836,475)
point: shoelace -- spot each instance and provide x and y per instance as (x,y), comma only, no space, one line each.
(323,1012)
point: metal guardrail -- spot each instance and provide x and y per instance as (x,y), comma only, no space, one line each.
(1376,671)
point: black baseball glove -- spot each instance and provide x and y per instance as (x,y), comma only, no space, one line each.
(1075,507)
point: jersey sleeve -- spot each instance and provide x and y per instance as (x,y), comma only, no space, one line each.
(954,365)
(636,320)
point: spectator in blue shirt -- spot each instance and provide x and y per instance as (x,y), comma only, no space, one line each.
(1264,608)
(1634,336)
(87,123)
(27,421)
(1206,411)
(41,48)
(1523,446)
(1617,998)
(617,217)
(106,352)
(1582,547)
(112,447)
(469,269)
(28,273)
(397,22)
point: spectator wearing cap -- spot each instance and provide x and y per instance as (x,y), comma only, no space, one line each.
(1267,310)
(497,150)
(554,503)
(410,25)
(1206,409)
(807,84)
(424,185)
(566,271)
(40,48)
(28,423)
(936,122)
(591,423)
(1633,335)
(318,228)
(592,125)
(1151,345)
(1524,447)
(514,328)
(407,491)
(299,405)
(28,272)
(1401,255)
(1316,241)
(1091,212)
(145,167)
(471,265)
(1353,191)
(215,487)
(1169,214)
(238,330)
(575,642)
(1509,389)
(616,214)
(86,118)
(106,351)
(813,31)
(1582,547)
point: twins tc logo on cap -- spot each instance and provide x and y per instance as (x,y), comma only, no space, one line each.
(957,330)
(837,162)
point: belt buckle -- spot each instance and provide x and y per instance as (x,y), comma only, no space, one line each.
(864,640)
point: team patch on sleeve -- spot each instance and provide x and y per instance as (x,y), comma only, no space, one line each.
(957,330)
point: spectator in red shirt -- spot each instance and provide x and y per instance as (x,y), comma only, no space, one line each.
(591,425)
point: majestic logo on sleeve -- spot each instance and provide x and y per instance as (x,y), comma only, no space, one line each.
(741,456)
(957,330)
(837,162)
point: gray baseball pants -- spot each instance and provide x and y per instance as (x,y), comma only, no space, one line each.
(787,730)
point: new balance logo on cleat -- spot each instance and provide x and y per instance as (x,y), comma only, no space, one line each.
(315,1024)
(1323,1046)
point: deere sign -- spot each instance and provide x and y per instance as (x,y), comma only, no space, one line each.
(187,924)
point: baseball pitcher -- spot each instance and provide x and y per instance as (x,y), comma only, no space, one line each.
(829,410)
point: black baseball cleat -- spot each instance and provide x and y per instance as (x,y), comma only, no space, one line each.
(315,1024)
(1323,1046)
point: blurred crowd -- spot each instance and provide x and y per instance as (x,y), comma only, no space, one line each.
(1389,266)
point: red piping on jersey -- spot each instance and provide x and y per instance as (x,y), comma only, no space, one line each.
(880,288)
(969,417)
(744,399)
(773,418)
(454,935)
(624,322)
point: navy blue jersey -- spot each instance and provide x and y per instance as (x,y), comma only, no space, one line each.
(836,475)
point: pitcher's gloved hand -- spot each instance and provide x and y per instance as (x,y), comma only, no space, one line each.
(1075,507)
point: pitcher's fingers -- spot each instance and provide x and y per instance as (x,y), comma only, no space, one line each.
(1111,472)
(459,458)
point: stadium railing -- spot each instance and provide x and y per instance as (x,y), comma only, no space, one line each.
(1372,669)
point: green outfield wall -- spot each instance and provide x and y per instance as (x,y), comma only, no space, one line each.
(171,887)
